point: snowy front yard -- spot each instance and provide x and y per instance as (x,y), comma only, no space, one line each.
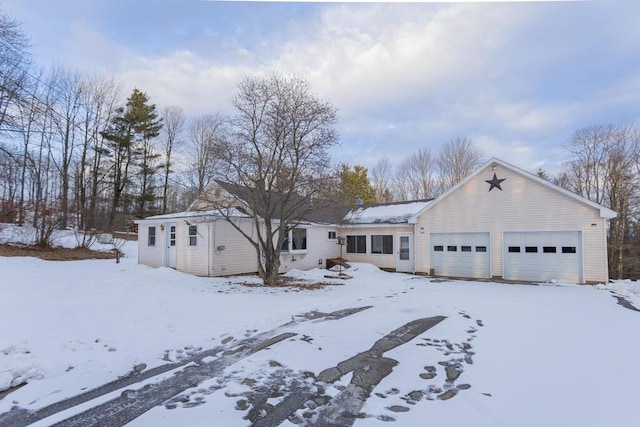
(512,355)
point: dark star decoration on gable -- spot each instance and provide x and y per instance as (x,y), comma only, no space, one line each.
(495,182)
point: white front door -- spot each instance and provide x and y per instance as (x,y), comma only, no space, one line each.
(405,254)
(170,260)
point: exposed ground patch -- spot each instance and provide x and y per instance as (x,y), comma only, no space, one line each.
(54,253)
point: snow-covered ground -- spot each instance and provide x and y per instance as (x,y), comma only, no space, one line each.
(553,354)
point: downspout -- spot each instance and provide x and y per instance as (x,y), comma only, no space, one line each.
(210,241)
(606,252)
(413,250)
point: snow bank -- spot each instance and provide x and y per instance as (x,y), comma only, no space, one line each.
(628,289)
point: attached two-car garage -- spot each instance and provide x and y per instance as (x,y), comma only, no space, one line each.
(528,256)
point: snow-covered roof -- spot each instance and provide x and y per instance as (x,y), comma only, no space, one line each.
(392,213)
(202,215)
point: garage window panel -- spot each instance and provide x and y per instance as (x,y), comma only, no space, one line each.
(568,249)
(481,249)
(514,249)
(452,249)
(438,248)
(465,248)
(531,249)
(549,249)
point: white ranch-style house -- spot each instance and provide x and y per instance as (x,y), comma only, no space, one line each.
(499,222)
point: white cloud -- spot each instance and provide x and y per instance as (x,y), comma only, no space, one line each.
(516,78)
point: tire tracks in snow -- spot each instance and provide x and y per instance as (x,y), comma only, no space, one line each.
(133,403)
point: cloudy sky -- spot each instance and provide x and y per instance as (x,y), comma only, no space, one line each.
(515,77)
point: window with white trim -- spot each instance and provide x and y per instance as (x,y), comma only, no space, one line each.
(356,244)
(299,239)
(193,235)
(332,235)
(382,244)
(296,241)
(151,238)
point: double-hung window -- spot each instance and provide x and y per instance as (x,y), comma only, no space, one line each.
(193,235)
(151,239)
(296,241)
(382,244)
(356,244)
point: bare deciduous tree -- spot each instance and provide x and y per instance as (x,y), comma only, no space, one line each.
(458,158)
(173,119)
(421,167)
(277,150)
(603,168)
(68,90)
(205,133)
(381,180)
(14,66)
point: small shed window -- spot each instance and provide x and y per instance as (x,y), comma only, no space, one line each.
(193,235)
(151,237)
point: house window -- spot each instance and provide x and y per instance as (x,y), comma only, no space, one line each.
(299,239)
(295,240)
(356,244)
(193,235)
(382,244)
(332,235)
(152,237)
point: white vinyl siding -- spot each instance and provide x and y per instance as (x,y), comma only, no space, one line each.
(192,259)
(522,205)
(230,252)
(153,256)
(319,248)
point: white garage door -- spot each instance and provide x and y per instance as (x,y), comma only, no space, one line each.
(460,254)
(543,256)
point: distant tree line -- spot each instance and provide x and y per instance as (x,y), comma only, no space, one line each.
(75,152)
